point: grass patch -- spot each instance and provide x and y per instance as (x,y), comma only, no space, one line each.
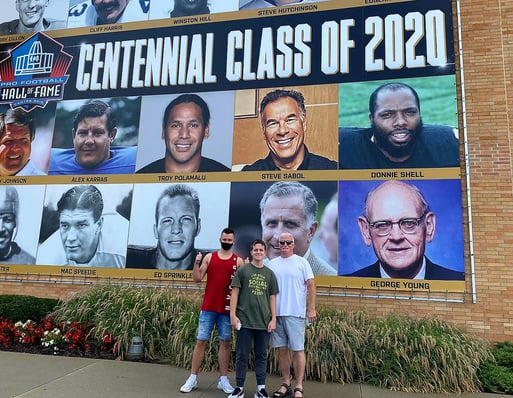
(399,353)
(392,352)
(159,317)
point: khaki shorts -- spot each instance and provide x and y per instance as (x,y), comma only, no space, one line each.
(289,332)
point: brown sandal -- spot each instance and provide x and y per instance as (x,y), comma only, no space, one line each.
(281,394)
(297,389)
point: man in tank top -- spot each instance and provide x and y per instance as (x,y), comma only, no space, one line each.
(219,266)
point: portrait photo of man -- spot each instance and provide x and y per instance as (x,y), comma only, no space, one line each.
(93,132)
(252,4)
(397,136)
(195,131)
(92,226)
(327,233)
(22,151)
(18,215)
(288,122)
(179,223)
(103,12)
(285,206)
(32,16)
(186,8)
(406,233)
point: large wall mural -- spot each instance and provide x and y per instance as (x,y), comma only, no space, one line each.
(131,137)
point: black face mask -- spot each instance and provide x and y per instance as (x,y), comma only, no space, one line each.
(226,246)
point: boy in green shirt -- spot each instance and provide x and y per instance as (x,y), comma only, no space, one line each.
(253,314)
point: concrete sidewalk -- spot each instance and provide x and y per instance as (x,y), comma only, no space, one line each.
(45,376)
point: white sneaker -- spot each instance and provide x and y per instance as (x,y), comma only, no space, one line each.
(262,394)
(190,384)
(237,393)
(224,385)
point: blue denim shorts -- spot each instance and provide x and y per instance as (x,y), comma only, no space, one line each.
(208,319)
(289,332)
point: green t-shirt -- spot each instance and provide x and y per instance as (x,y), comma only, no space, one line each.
(256,286)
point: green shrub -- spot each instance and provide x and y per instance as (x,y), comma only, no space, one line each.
(23,308)
(496,375)
(503,354)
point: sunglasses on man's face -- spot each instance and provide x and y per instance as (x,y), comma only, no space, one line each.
(286,242)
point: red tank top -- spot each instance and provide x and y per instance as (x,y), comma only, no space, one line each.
(219,279)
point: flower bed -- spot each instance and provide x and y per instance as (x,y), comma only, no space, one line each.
(50,337)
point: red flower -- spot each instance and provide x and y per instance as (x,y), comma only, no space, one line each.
(76,335)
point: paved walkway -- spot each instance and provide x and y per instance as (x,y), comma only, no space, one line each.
(44,376)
